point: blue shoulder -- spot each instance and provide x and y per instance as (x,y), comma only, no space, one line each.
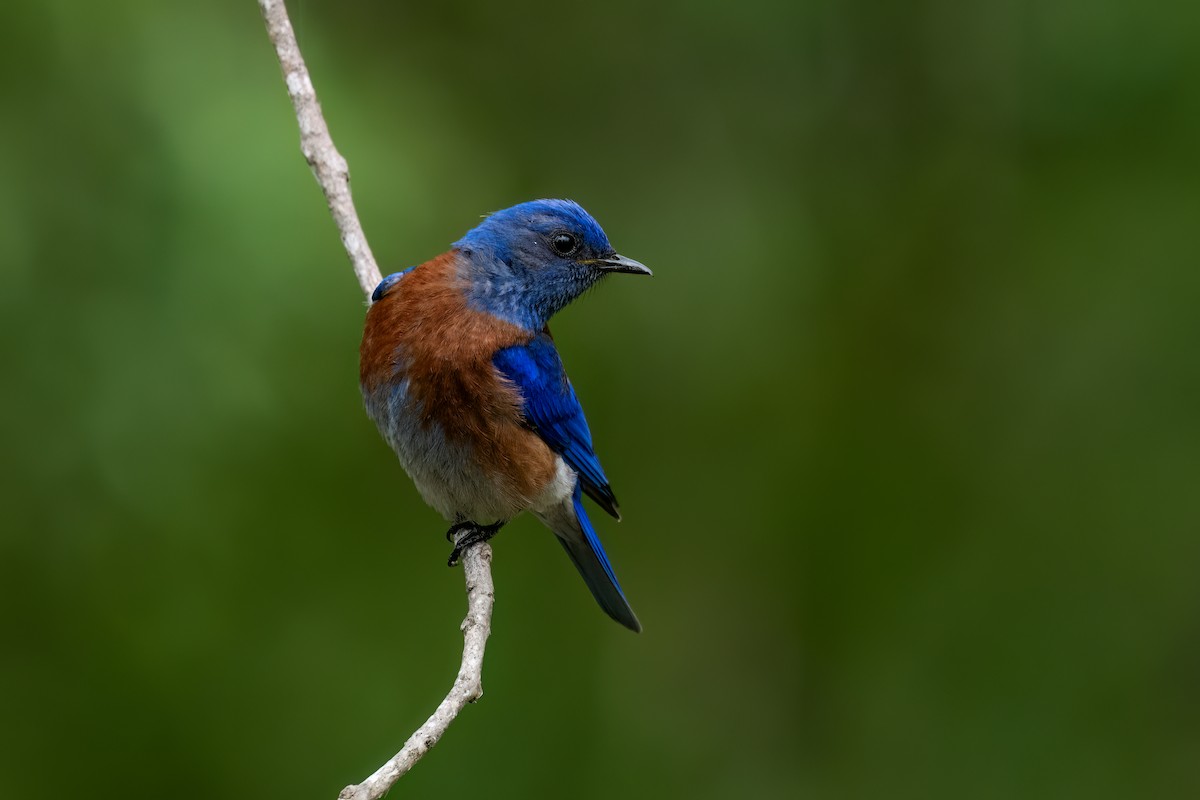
(552,410)
(387,283)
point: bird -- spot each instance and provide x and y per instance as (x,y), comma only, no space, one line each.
(460,373)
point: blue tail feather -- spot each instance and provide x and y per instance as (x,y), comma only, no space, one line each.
(589,558)
(593,540)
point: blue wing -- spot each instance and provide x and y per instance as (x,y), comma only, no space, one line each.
(552,410)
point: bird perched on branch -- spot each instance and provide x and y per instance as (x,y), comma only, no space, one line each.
(460,373)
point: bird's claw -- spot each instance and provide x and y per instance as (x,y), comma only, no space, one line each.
(465,534)
(458,528)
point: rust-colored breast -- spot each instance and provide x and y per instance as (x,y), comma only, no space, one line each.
(422,330)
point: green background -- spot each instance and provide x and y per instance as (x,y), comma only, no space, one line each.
(906,427)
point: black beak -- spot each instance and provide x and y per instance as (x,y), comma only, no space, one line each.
(616,263)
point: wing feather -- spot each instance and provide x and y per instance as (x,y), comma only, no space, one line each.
(552,410)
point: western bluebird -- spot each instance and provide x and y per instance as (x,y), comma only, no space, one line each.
(460,373)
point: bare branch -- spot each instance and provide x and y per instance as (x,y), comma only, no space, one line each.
(333,175)
(467,688)
(316,144)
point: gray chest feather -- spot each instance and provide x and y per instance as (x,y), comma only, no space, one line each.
(446,473)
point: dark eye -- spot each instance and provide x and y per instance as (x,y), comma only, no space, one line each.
(564,244)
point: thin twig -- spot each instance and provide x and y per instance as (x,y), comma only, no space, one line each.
(316,144)
(333,175)
(467,688)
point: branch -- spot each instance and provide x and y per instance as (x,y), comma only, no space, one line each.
(467,688)
(327,163)
(333,174)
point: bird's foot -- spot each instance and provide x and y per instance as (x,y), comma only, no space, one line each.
(458,528)
(465,534)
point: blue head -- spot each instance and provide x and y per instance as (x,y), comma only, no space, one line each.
(526,263)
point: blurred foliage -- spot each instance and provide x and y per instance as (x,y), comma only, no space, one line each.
(906,427)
